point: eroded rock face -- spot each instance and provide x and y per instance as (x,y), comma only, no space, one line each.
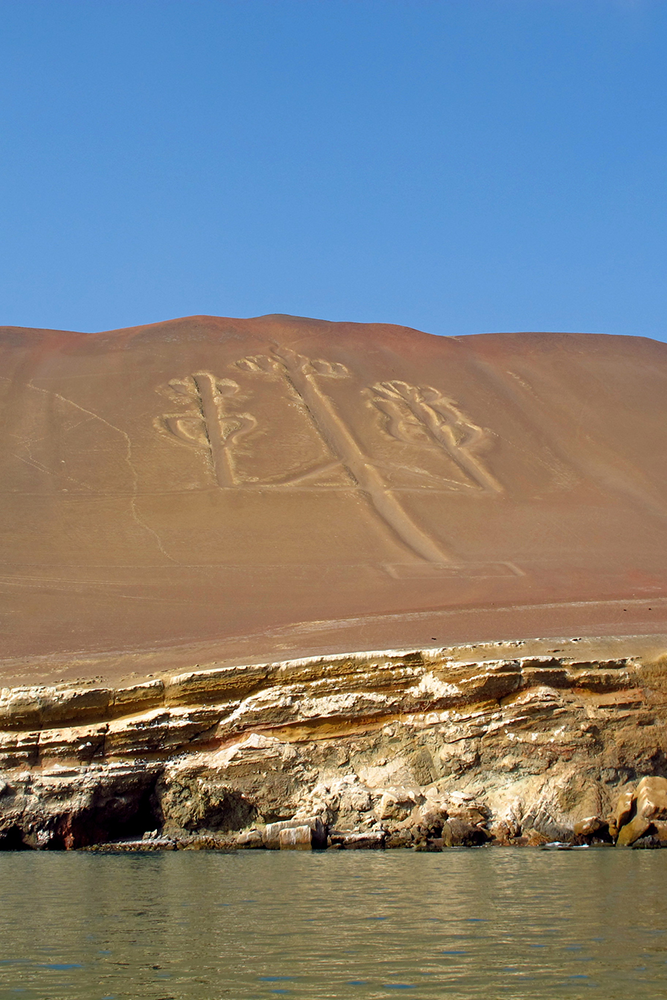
(422,749)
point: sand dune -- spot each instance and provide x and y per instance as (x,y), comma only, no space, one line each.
(246,490)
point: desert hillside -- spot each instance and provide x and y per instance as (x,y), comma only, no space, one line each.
(273,487)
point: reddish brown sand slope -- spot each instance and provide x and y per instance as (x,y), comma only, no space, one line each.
(240,490)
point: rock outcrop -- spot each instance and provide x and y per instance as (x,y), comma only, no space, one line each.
(424,749)
(639,817)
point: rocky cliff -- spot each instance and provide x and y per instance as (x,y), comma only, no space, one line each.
(512,743)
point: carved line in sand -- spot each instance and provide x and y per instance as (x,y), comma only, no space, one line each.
(213,427)
(300,374)
(438,420)
(208,425)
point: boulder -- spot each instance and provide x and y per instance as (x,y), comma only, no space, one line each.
(295,838)
(623,809)
(459,833)
(533,838)
(632,831)
(400,837)
(355,798)
(437,844)
(429,820)
(503,833)
(591,827)
(651,798)
(272,831)
(250,839)
(660,828)
(396,804)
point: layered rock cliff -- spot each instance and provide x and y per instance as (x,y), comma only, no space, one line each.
(522,742)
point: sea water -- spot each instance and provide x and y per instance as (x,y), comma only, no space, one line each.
(486,923)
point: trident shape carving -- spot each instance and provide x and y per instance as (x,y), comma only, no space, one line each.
(208,425)
(302,375)
(411,408)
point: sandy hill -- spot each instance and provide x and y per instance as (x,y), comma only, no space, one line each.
(278,487)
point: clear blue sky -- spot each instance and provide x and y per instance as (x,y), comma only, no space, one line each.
(459,166)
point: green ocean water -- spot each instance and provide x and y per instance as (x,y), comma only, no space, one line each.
(486,923)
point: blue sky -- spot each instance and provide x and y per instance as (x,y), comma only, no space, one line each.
(460,166)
